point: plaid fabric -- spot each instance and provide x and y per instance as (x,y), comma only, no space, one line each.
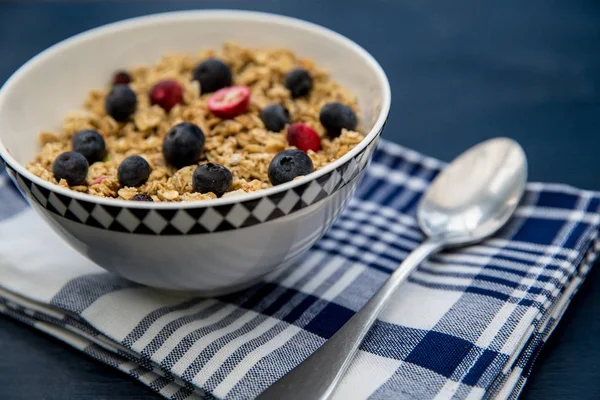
(468,324)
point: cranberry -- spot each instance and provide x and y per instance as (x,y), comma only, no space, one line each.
(303,137)
(121,78)
(100,179)
(167,94)
(230,101)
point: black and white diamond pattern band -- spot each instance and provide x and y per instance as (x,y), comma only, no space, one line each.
(195,220)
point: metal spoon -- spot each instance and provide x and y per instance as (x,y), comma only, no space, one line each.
(468,201)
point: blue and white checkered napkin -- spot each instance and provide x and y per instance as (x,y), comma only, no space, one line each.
(468,324)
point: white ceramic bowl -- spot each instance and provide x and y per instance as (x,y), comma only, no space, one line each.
(210,247)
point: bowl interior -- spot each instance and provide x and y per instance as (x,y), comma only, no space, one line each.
(41,93)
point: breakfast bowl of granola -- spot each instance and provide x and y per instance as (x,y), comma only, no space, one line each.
(193,151)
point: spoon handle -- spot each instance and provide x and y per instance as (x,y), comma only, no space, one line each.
(317,376)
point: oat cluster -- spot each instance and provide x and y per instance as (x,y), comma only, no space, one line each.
(242,144)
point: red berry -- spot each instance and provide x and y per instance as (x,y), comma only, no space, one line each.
(303,137)
(99,180)
(167,94)
(229,102)
(121,78)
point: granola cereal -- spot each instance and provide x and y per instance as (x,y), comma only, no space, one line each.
(234,138)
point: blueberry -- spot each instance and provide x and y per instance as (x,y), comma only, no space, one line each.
(142,197)
(120,102)
(275,116)
(70,166)
(133,171)
(183,144)
(213,75)
(212,177)
(299,82)
(289,164)
(89,143)
(335,116)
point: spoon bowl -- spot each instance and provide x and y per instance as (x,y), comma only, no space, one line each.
(476,194)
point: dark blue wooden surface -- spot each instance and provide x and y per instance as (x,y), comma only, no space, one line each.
(461,72)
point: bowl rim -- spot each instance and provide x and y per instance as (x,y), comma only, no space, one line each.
(145,20)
